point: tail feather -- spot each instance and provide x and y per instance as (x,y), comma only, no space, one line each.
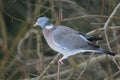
(107,52)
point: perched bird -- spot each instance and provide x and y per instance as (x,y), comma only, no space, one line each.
(68,41)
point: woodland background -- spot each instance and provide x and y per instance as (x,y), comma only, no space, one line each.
(25,55)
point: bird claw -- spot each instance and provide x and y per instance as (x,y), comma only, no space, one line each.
(60,61)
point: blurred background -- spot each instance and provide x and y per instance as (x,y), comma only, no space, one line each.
(25,55)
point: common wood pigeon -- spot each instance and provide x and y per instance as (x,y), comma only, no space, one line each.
(68,41)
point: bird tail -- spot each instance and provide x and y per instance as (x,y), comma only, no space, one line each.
(107,52)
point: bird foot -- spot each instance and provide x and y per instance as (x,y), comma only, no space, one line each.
(60,61)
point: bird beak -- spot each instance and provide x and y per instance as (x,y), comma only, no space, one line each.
(36,24)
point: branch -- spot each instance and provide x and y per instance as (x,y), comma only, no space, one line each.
(106,25)
(111,16)
(87,16)
(81,66)
(102,29)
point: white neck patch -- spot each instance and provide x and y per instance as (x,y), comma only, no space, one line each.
(49,26)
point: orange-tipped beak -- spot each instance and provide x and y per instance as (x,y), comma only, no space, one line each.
(36,24)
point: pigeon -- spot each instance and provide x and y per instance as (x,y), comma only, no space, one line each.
(68,41)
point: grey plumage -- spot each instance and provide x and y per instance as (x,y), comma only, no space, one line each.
(68,41)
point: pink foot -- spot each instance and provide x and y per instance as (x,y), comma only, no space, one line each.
(60,61)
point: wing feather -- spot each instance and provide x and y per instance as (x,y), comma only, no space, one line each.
(68,39)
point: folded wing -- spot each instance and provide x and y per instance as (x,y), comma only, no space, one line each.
(69,39)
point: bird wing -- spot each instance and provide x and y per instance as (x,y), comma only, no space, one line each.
(90,38)
(68,39)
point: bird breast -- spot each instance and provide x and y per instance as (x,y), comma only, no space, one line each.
(48,35)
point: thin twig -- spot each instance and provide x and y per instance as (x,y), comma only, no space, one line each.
(49,65)
(106,36)
(58,75)
(81,65)
(88,16)
(85,67)
(86,64)
(111,16)
(106,25)
(101,29)
(70,75)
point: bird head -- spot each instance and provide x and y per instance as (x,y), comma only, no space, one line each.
(42,21)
